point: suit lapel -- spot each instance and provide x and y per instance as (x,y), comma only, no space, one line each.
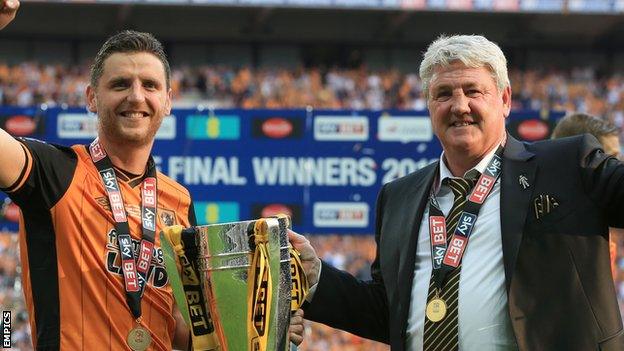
(515,200)
(415,200)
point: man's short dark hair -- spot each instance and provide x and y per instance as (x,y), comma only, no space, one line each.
(579,123)
(129,41)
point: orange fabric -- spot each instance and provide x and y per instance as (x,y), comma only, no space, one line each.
(94,314)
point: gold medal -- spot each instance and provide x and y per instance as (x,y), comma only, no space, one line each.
(139,338)
(436,310)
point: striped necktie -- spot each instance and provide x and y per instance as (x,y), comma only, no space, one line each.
(443,335)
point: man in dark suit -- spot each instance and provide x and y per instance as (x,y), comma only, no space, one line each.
(529,241)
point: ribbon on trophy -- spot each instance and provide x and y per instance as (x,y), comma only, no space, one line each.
(260,290)
(300,286)
(203,333)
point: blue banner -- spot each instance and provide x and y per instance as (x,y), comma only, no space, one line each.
(323,167)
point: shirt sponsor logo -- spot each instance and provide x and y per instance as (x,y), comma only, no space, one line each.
(341,214)
(213,128)
(341,128)
(405,129)
(277,128)
(216,212)
(156,273)
(21,125)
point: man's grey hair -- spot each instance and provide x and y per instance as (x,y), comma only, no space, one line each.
(472,50)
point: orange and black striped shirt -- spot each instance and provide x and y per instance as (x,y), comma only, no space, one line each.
(72,278)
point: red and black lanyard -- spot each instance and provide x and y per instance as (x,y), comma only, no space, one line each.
(135,270)
(445,257)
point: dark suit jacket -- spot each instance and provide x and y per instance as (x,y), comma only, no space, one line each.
(559,286)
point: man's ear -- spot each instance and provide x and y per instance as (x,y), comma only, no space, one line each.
(91,99)
(506,96)
(168,102)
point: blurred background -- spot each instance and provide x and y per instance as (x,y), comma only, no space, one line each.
(309,105)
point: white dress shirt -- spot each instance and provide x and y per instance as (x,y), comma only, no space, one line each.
(484,323)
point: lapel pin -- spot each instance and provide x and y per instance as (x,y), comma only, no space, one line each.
(524,181)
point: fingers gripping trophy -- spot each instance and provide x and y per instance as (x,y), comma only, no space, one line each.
(237,284)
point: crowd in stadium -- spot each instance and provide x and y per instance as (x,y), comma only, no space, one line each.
(582,90)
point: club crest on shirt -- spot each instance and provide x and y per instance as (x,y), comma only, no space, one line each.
(157,275)
(167,217)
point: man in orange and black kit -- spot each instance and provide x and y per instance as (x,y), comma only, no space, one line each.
(93,270)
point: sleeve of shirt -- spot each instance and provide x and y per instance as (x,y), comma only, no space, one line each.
(46,175)
(191,214)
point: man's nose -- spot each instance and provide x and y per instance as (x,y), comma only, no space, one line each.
(460,104)
(136,93)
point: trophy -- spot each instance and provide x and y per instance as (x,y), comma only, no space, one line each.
(236,283)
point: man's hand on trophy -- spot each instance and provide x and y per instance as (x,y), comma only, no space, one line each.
(8,10)
(297,328)
(309,259)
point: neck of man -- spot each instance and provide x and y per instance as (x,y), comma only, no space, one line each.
(461,162)
(129,157)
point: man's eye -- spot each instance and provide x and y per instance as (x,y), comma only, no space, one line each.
(441,95)
(473,92)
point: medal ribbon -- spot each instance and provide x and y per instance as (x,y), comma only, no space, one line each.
(202,328)
(260,291)
(135,270)
(445,258)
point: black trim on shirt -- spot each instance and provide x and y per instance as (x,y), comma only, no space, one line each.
(27,161)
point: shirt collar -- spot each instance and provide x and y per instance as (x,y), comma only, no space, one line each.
(444,172)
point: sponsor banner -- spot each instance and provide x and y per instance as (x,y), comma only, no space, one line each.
(271,209)
(216,212)
(242,164)
(84,126)
(76,126)
(341,128)
(23,125)
(341,214)
(532,129)
(405,129)
(167,130)
(278,128)
(212,128)
(9,211)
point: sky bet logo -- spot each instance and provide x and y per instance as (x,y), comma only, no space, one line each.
(213,128)
(6,329)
